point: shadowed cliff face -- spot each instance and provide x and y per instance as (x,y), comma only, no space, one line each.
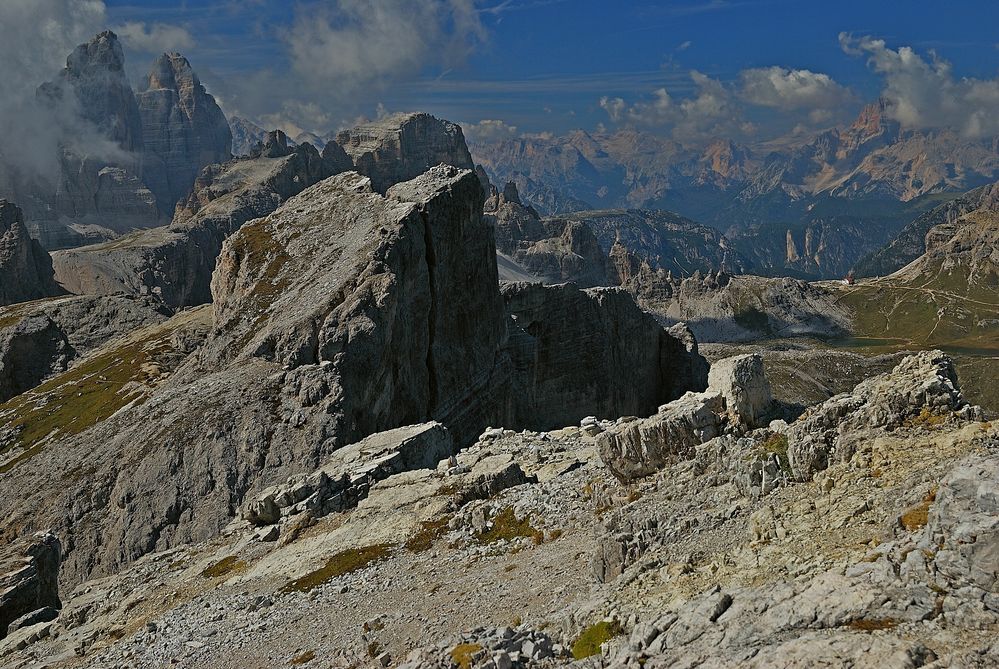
(25,267)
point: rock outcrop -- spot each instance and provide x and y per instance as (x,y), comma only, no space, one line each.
(553,251)
(29,577)
(579,353)
(44,338)
(95,75)
(25,268)
(923,387)
(429,290)
(103,192)
(403,146)
(737,399)
(175,263)
(183,130)
(345,479)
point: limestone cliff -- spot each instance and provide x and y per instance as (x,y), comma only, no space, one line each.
(402,146)
(25,268)
(183,130)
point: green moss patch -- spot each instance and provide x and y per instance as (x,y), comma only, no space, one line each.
(342,563)
(224,567)
(777,445)
(506,526)
(430,531)
(590,639)
(463,655)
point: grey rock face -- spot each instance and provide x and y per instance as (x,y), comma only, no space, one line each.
(176,263)
(433,244)
(30,350)
(554,251)
(245,136)
(95,75)
(89,191)
(403,146)
(743,383)
(29,577)
(44,338)
(25,268)
(579,353)
(183,130)
(344,480)
(924,382)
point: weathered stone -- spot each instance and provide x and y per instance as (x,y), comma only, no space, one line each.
(401,147)
(29,577)
(643,447)
(183,130)
(923,382)
(345,479)
(25,268)
(964,525)
(42,615)
(743,383)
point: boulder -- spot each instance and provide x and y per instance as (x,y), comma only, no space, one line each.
(743,383)
(921,384)
(25,268)
(29,577)
(183,130)
(642,447)
(401,147)
(345,479)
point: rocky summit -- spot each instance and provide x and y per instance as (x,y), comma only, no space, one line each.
(683,390)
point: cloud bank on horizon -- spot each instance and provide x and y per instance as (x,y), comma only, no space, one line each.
(502,66)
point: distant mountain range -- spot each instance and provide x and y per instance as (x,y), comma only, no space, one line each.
(801,207)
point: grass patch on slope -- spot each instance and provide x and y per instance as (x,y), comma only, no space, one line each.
(81,397)
(340,564)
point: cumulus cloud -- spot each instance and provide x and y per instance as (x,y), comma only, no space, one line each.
(358,43)
(712,111)
(489,130)
(788,89)
(41,35)
(154,38)
(925,93)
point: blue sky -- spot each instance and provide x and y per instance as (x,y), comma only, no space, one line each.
(761,67)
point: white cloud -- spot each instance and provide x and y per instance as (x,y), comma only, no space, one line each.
(925,93)
(489,130)
(154,38)
(38,36)
(357,43)
(787,89)
(711,112)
